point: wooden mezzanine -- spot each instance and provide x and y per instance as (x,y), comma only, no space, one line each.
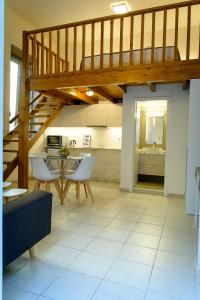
(160,44)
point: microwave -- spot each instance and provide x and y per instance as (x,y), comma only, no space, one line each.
(54,140)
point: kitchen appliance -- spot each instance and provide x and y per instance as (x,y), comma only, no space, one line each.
(54,140)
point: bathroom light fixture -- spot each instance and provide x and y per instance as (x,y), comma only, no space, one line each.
(89,93)
(120,7)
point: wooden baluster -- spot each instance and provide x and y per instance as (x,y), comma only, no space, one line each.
(102,44)
(92,45)
(188,33)
(58,52)
(66,50)
(34,54)
(75,43)
(63,65)
(47,60)
(37,58)
(199,41)
(55,63)
(42,53)
(50,51)
(142,39)
(111,44)
(153,36)
(121,41)
(176,35)
(83,48)
(26,65)
(164,35)
(131,40)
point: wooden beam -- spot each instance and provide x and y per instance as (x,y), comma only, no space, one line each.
(167,72)
(102,93)
(10,168)
(152,86)
(81,96)
(123,88)
(57,94)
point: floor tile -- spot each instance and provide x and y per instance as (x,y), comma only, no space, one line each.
(176,246)
(114,234)
(153,296)
(104,247)
(63,224)
(34,276)
(88,229)
(96,220)
(14,293)
(72,286)
(126,272)
(137,254)
(145,240)
(76,241)
(152,220)
(148,229)
(122,224)
(113,291)
(128,216)
(91,264)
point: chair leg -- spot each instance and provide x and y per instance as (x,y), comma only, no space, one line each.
(57,186)
(67,185)
(47,186)
(36,186)
(78,192)
(32,252)
(85,188)
(89,191)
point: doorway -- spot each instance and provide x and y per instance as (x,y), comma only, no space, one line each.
(150,145)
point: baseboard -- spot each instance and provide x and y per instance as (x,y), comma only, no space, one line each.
(172,195)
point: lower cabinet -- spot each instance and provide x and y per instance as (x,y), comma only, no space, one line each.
(107,165)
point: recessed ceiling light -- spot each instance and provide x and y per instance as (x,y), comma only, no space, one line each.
(89,93)
(120,7)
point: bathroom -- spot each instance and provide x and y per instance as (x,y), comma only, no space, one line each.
(150,146)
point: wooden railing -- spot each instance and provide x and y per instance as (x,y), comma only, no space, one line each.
(152,36)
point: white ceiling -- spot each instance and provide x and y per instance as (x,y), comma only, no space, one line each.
(44,13)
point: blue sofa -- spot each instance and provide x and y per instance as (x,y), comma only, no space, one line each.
(26,221)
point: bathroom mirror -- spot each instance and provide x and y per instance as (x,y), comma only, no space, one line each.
(154,130)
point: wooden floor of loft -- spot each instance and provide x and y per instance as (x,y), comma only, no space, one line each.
(135,75)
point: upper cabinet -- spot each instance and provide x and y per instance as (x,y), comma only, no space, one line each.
(114,115)
(105,114)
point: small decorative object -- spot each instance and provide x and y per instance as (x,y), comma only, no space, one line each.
(64,151)
(86,140)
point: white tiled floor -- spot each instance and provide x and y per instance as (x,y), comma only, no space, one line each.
(124,246)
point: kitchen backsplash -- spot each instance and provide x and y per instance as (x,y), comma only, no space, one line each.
(109,137)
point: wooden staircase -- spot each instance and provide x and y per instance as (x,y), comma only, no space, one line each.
(42,111)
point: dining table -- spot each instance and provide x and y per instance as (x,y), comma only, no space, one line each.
(62,162)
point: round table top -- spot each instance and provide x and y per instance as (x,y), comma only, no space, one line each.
(14,192)
(6,184)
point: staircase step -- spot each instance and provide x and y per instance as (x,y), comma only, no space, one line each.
(36,123)
(10,141)
(38,116)
(10,151)
(6,162)
(32,131)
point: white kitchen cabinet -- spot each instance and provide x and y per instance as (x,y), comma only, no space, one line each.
(114,115)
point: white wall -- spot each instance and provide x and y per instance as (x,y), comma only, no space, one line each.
(14,25)
(193,143)
(177,132)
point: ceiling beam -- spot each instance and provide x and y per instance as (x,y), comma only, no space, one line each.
(102,93)
(152,86)
(123,88)
(58,94)
(76,95)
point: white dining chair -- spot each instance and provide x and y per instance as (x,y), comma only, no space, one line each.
(85,154)
(82,175)
(51,168)
(42,174)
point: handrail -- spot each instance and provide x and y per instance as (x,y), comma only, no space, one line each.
(139,37)
(31,103)
(112,17)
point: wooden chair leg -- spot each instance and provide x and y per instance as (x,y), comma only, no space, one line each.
(67,185)
(85,188)
(36,186)
(32,252)
(78,192)
(57,186)
(48,187)
(89,191)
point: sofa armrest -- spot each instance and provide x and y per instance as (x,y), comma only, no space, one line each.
(26,221)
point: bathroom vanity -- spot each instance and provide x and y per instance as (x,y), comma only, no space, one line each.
(151,164)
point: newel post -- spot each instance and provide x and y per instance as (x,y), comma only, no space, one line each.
(24,118)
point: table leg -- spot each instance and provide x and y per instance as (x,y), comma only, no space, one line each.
(62,171)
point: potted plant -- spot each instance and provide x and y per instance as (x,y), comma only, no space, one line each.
(64,151)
